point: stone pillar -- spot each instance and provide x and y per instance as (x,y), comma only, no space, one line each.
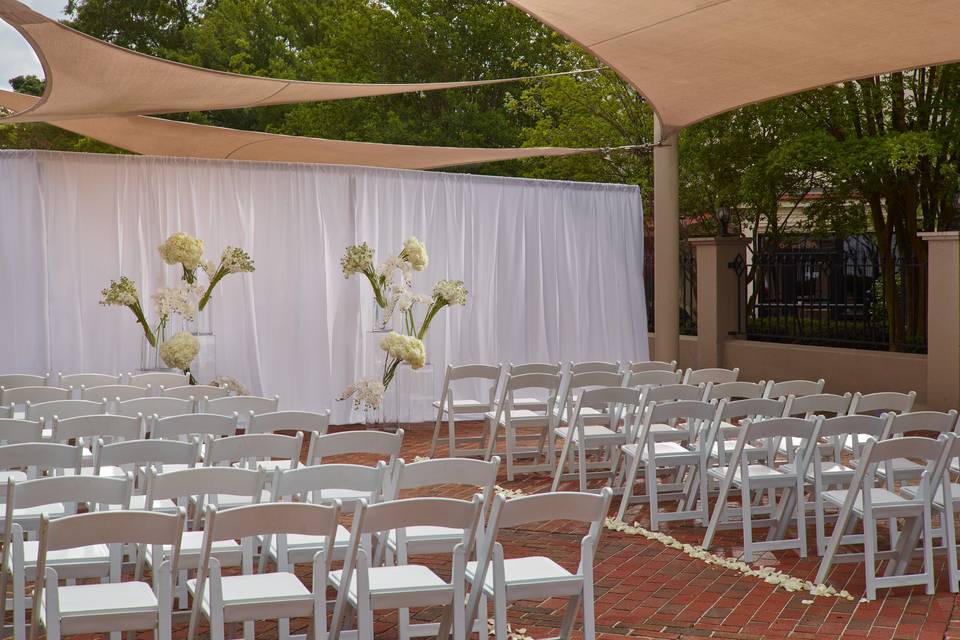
(943,323)
(719,294)
(666,245)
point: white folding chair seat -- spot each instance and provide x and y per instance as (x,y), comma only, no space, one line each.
(529,577)
(538,577)
(113,606)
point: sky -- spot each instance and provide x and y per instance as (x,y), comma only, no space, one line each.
(16,56)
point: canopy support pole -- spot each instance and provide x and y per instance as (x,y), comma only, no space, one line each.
(666,244)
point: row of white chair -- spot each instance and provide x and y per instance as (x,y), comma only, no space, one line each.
(77,380)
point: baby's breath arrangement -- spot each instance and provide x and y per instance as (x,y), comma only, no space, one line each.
(232,260)
(124,293)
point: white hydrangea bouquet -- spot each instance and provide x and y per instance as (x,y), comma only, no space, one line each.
(392,284)
(186,299)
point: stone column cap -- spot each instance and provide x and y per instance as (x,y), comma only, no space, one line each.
(933,236)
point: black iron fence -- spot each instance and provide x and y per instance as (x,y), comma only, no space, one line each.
(688,292)
(833,299)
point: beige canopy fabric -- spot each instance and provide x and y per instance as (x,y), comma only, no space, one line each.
(89,78)
(161,137)
(696,58)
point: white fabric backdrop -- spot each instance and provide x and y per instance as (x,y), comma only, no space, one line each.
(554,269)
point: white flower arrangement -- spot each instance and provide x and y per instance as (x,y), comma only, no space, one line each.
(124,293)
(231,384)
(232,260)
(365,392)
(184,250)
(180,350)
(395,295)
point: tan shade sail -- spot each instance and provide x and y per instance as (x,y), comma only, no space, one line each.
(88,78)
(161,137)
(696,58)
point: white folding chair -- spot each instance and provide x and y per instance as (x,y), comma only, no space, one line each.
(17,380)
(45,412)
(53,497)
(652,378)
(595,366)
(159,407)
(34,395)
(679,450)
(113,392)
(512,420)
(737,390)
(714,375)
(157,379)
(278,595)
(639,366)
(136,457)
(88,380)
(532,403)
(200,486)
(368,588)
(883,402)
(769,476)
(345,484)
(795,388)
(186,426)
(577,383)
(868,502)
(825,405)
(31,460)
(305,422)
(537,578)
(267,451)
(423,540)
(243,406)
(905,470)
(375,443)
(719,443)
(583,433)
(114,606)
(449,406)
(14,431)
(836,473)
(86,429)
(194,392)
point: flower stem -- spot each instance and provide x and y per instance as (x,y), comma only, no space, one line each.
(377,284)
(217,277)
(389,371)
(147,332)
(434,310)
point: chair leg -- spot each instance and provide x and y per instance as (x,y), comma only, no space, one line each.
(928,549)
(747,525)
(434,442)
(19,604)
(582,464)
(510,444)
(500,611)
(283,629)
(249,631)
(589,623)
(869,554)
(564,454)
(482,624)
(801,520)
(451,435)
(570,617)
(403,624)
(951,544)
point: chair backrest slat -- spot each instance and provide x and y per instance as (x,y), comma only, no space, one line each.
(64,409)
(796,388)
(306,421)
(714,375)
(33,395)
(653,365)
(358,442)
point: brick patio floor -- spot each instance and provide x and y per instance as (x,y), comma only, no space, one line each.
(647,590)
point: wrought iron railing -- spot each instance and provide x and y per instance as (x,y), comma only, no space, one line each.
(829,298)
(688,292)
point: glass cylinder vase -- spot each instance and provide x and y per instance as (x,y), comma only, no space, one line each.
(150,359)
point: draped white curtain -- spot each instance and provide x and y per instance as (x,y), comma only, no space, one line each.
(554,269)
